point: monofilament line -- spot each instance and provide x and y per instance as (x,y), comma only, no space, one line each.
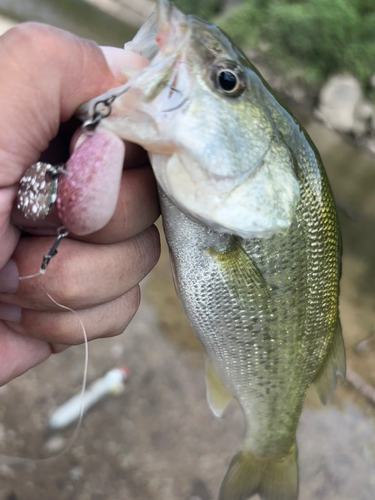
(21,460)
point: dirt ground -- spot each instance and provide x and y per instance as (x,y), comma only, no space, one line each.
(158,440)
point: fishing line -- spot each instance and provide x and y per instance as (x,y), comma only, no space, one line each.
(40,273)
(14,460)
(36,195)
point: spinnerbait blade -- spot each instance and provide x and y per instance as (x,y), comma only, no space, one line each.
(37,190)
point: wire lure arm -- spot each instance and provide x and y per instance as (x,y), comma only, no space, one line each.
(62,233)
(102,109)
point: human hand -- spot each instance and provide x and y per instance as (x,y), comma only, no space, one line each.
(46,75)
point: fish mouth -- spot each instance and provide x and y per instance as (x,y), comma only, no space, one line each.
(152,109)
(160,88)
(163,40)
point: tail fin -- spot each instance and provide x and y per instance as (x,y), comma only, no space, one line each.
(272,479)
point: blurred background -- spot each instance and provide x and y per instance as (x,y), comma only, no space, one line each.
(158,439)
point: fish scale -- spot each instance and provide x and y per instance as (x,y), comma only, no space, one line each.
(222,325)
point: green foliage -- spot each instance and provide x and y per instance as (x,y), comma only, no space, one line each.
(201,8)
(322,36)
(245,22)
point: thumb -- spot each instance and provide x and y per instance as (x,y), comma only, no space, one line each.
(46,74)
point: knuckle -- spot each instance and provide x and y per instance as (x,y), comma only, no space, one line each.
(67,290)
(52,328)
(147,248)
(134,300)
(28,34)
(68,278)
(67,329)
(126,308)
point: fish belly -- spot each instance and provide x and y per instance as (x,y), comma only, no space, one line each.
(255,342)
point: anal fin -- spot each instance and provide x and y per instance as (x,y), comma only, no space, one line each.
(334,365)
(218,396)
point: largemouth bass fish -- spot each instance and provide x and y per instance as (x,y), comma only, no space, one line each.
(253,234)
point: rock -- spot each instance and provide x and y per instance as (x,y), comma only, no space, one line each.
(2,433)
(343,107)
(55,444)
(7,472)
(76,474)
(370,145)
(364,119)
(117,350)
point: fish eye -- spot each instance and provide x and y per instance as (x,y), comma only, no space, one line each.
(228,78)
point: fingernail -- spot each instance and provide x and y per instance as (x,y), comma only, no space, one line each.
(10,313)
(9,279)
(79,141)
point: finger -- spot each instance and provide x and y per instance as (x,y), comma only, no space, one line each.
(49,87)
(138,204)
(118,59)
(135,155)
(137,208)
(19,353)
(9,234)
(105,320)
(88,192)
(82,275)
(40,88)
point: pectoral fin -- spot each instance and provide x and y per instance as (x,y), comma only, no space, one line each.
(335,364)
(241,275)
(217,394)
(172,262)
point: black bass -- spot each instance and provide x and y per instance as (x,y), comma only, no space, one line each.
(253,233)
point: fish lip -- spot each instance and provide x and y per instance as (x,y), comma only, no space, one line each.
(163,17)
(161,32)
(162,40)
